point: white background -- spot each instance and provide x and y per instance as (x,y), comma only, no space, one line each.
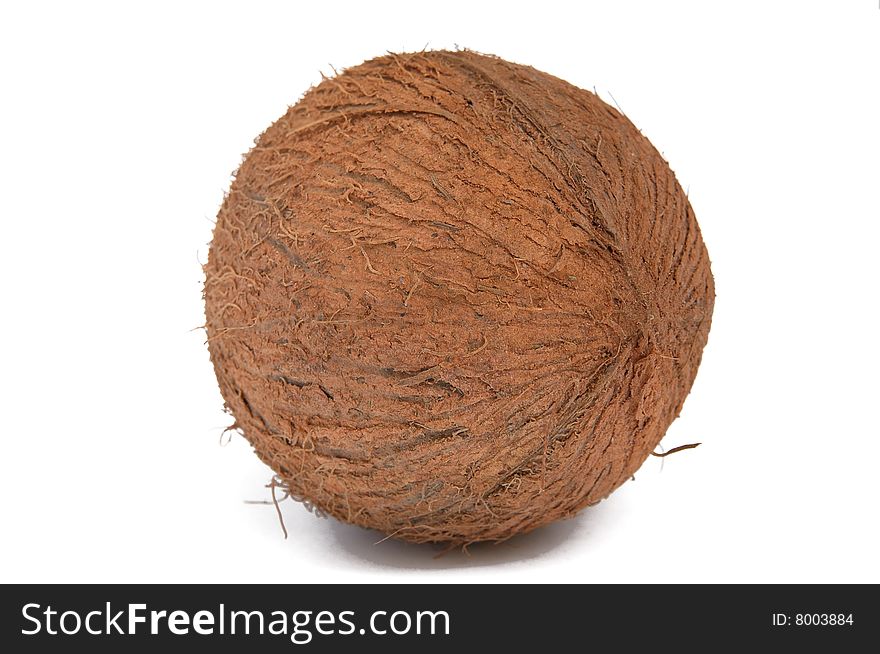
(120,126)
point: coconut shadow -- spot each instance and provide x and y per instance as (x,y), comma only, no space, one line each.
(368,545)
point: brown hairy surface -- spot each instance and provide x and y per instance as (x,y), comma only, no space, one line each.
(453,298)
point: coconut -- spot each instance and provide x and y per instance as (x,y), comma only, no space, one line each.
(453,298)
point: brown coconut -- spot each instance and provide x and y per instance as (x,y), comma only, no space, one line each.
(453,298)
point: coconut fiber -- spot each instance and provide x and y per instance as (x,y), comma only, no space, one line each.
(453,298)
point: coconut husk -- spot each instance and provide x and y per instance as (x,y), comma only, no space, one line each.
(453,298)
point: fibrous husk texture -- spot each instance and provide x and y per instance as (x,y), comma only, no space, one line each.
(453,298)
